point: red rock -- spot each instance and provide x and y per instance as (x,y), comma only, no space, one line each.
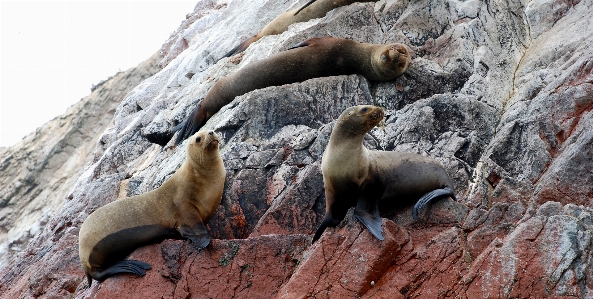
(249,268)
(345,262)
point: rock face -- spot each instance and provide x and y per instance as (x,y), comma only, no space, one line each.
(500,92)
(38,173)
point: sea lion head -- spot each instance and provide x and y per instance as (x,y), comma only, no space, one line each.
(391,61)
(358,120)
(203,145)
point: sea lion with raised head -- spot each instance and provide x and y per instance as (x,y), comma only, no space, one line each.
(313,58)
(178,209)
(311,10)
(356,176)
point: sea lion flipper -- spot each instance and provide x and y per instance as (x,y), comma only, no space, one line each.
(241,47)
(304,6)
(190,126)
(368,213)
(426,198)
(160,138)
(327,222)
(305,43)
(197,234)
(233,51)
(125,266)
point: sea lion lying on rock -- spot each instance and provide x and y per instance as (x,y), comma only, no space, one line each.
(313,58)
(179,209)
(311,10)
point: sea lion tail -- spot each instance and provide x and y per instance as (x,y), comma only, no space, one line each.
(426,198)
(304,6)
(125,266)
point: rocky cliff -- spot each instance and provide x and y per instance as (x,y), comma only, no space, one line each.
(500,92)
(38,173)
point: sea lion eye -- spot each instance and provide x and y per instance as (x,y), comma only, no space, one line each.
(383,57)
(365,109)
(198,139)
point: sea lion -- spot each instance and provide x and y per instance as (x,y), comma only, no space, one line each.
(178,209)
(355,176)
(315,57)
(280,24)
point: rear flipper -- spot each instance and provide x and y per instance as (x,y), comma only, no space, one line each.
(125,266)
(190,126)
(304,43)
(241,47)
(426,198)
(197,234)
(367,212)
(304,6)
(162,138)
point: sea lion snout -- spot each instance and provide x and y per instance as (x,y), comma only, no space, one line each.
(206,139)
(378,114)
(402,49)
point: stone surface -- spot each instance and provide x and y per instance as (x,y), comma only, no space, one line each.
(38,173)
(500,92)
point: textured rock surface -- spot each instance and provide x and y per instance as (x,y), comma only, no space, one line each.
(500,92)
(38,173)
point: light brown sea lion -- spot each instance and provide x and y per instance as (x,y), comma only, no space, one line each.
(355,176)
(311,10)
(178,209)
(315,57)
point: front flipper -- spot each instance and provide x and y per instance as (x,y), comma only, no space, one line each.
(426,198)
(367,209)
(197,234)
(125,266)
(327,222)
(371,221)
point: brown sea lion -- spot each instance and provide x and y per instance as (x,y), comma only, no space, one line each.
(315,57)
(311,10)
(179,209)
(355,176)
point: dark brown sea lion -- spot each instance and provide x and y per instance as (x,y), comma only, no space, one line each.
(315,57)
(280,24)
(355,176)
(178,209)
